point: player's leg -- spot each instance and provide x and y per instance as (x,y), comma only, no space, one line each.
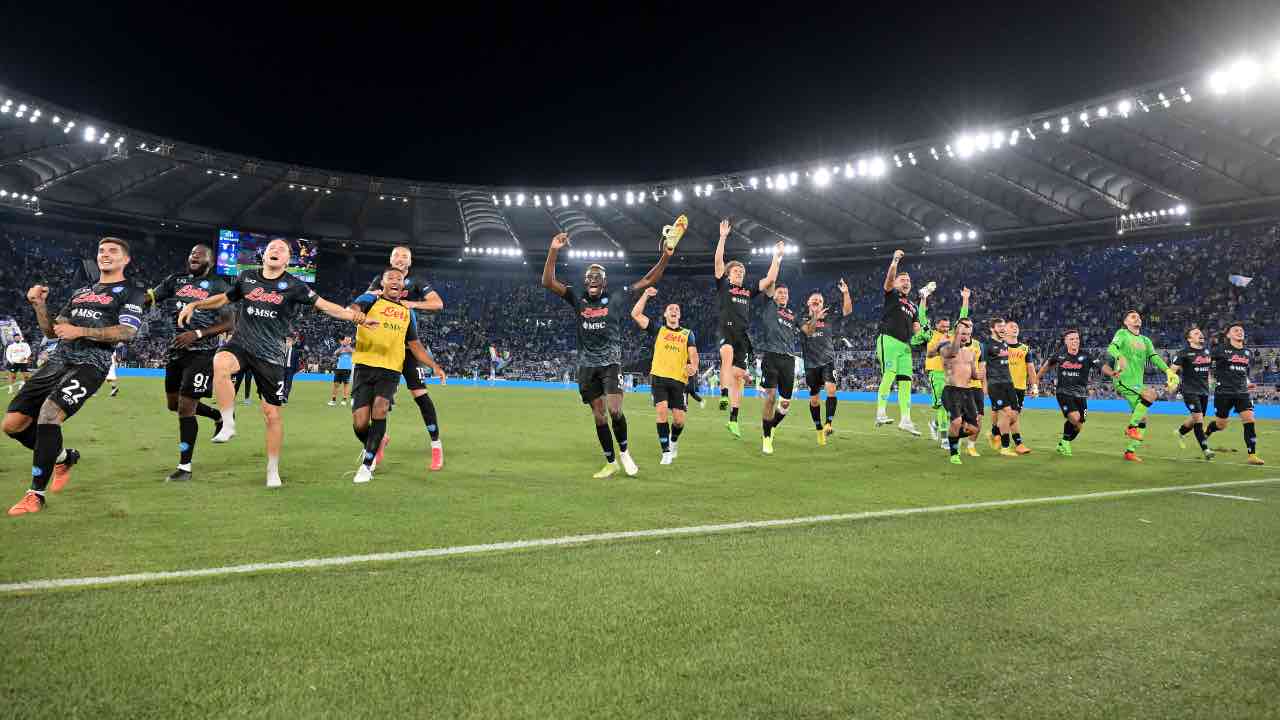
(188,431)
(617,419)
(226,364)
(786,388)
(1137,418)
(333,392)
(376,433)
(940,419)
(815,405)
(727,374)
(677,427)
(888,376)
(270,379)
(20,417)
(664,427)
(902,371)
(829,377)
(51,462)
(1245,408)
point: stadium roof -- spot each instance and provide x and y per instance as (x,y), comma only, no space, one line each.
(1208,143)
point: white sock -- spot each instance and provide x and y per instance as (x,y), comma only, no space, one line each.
(437,445)
(273,465)
(229,415)
(62,457)
(184,466)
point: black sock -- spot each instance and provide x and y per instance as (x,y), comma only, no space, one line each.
(675,432)
(1213,428)
(27,436)
(733,414)
(606,441)
(953,441)
(377,430)
(1250,438)
(1066,430)
(1017,438)
(831,407)
(766,427)
(1183,429)
(815,412)
(203,410)
(361,434)
(45,456)
(1004,440)
(1200,436)
(724,392)
(428,410)
(995,430)
(664,436)
(779,415)
(619,422)
(1075,431)
(188,429)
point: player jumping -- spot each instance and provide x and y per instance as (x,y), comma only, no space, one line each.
(267,298)
(674,366)
(599,329)
(820,357)
(779,338)
(188,374)
(1132,351)
(1231,361)
(893,346)
(93,320)
(1192,365)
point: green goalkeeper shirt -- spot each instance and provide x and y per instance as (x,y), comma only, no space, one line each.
(1136,350)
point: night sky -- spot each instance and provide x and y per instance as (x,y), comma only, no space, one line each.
(533,95)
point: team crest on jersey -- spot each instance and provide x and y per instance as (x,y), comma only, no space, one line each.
(204,284)
(117,290)
(282,285)
(604,301)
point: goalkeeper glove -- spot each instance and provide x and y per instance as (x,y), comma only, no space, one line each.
(1172,380)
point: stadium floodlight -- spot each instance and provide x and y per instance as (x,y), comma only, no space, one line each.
(911,156)
(973,234)
(878,167)
(768,181)
(677,195)
(600,200)
(956,236)
(1045,126)
(506,200)
(564,199)
(708,190)
(1084,117)
(1186,96)
(793,179)
(981,142)
(537,201)
(997,140)
(589,199)
(631,197)
(575,198)
(1181,209)
(934,152)
(942,237)
(1014,137)
(548,201)
(821,177)
(520,199)
(897,159)
(641,197)
(950,153)
(697,190)
(1103,112)
(862,167)
(90,134)
(848,171)
(754,182)
(1243,74)
(781,182)
(4,193)
(1125,107)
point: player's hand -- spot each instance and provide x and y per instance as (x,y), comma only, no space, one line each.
(376,293)
(821,314)
(1120,363)
(844,287)
(184,315)
(358,317)
(67,331)
(37,294)
(1035,391)
(690,370)
(650,291)
(964,294)
(1252,386)
(779,248)
(444,379)
(184,340)
(898,255)
(725,227)
(559,241)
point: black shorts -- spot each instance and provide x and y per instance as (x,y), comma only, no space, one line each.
(669,391)
(1224,404)
(978,397)
(778,371)
(959,404)
(1021,395)
(67,386)
(372,382)
(1196,404)
(268,377)
(189,374)
(341,376)
(594,382)
(736,337)
(20,367)
(1071,403)
(816,377)
(1002,396)
(415,375)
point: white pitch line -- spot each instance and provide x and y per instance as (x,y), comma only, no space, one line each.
(605,537)
(1220,495)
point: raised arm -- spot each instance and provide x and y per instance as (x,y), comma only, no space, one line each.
(655,273)
(810,326)
(338,312)
(893,270)
(549,280)
(37,296)
(637,312)
(964,303)
(771,277)
(724,235)
(846,302)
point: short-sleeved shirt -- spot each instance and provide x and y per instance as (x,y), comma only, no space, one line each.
(1195,364)
(179,290)
(995,353)
(344,356)
(819,348)
(263,319)
(899,313)
(383,345)
(670,350)
(1020,357)
(101,305)
(1073,372)
(1231,369)
(735,303)
(599,326)
(779,333)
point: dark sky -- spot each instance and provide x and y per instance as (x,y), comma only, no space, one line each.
(543,95)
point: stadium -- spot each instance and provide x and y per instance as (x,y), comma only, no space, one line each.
(373,488)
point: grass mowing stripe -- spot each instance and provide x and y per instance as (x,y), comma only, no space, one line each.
(591,538)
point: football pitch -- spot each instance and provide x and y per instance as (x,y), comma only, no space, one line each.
(1119,592)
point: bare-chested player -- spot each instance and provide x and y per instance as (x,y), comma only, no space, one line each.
(960,365)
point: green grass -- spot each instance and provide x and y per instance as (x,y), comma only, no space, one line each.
(1159,606)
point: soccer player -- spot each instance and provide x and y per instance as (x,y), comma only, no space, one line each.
(893,346)
(779,339)
(960,367)
(1000,388)
(18,357)
(674,366)
(1231,361)
(1023,373)
(342,374)
(1074,366)
(1192,365)
(735,297)
(381,341)
(267,298)
(976,389)
(820,357)
(1132,351)
(599,330)
(417,295)
(188,374)
(93,320)
(117,357)
(933,363)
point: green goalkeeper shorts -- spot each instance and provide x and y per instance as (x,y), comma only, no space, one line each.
(938,380)
(894,356)
(1128,393)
